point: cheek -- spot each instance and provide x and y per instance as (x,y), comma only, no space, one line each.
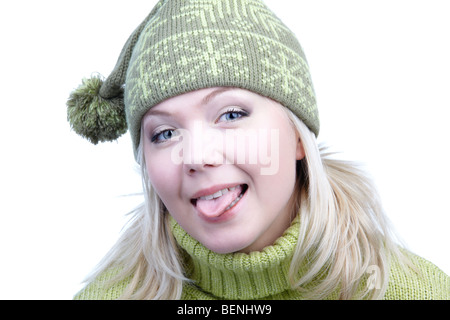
(277,151)
(258,149)
(163,175)
(280,174)
(278,170)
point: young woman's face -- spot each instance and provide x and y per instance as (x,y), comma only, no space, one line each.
(223,162)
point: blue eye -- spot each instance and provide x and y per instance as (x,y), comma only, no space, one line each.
(164,135)
(232,115)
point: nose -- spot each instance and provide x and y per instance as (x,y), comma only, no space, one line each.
(197,168)
(203,151)
(203,159)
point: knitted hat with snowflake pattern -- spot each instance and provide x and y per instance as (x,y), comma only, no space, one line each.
(186,45)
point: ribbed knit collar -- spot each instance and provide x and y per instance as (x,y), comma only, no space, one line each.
(256,275)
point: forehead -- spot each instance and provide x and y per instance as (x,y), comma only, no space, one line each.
(198,97)
(205,98)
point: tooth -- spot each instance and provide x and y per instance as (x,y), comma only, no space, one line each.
(234,202)
(209,197)
(217,194)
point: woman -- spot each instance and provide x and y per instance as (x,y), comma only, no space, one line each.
(240,202)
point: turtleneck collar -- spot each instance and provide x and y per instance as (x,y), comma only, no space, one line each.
(255,275)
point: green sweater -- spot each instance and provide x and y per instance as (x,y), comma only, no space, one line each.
(263,275)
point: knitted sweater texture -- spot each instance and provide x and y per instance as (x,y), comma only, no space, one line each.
(264,274)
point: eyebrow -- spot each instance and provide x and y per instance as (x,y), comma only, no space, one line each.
(153,112)
(204,101)
(215,93)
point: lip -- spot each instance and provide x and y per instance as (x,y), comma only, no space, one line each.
(213,189)
(228,214)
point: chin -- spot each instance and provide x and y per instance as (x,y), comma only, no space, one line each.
(224,247)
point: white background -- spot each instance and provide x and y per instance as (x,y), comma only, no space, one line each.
(381,71)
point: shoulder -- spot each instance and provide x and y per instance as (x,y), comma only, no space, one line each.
(103,287)
(424,282)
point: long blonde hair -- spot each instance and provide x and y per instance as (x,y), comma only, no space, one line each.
(344,235)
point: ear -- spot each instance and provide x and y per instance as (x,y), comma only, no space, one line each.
(300,151)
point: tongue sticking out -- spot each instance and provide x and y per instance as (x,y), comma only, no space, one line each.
(215,207)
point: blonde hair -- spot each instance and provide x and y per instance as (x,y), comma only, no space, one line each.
(344,235)
(344,232)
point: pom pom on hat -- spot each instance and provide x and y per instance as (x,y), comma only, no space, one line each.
(94,117)
(96,109)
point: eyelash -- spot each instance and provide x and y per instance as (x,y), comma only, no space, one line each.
(241,113)
(154,138)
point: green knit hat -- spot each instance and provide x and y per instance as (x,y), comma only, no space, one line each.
(186,45)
